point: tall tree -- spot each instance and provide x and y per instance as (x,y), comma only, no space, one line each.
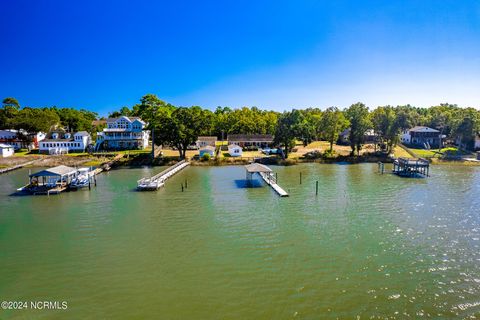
(333,122)
(288,129)
(179,129)
(386,126)
(358,116)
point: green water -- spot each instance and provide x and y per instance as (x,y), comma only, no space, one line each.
(368,245)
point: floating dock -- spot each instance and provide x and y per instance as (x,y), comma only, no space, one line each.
(157,181)
(406,167)
(267,175)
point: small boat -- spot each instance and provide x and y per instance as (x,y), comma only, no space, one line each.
(82,179)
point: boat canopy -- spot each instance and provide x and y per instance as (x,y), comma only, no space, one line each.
(257,167)
(59,171)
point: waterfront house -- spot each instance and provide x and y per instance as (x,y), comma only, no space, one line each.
(234,150)
(6,150)
(21,139)
(250,140)
(59,142)
(207,150)
(421,136)
(204,141)
(123,133)
(368,137)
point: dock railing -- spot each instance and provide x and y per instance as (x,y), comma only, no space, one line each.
(159,175)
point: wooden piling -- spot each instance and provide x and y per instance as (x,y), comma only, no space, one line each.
(300,177)
(316,188)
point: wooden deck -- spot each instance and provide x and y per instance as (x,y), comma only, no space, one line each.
(269,179)
(406,167)
(157,181)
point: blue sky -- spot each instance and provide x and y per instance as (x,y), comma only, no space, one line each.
(102,55)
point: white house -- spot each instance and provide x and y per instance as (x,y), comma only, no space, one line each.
(123,133)
(20,139)
(207,149)
(421,136)
(250,140)
(6,150)
(65,142)
(235,150)
(204,141)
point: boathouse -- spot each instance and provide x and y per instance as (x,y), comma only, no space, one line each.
(52,180)
(407,167)
(267,175)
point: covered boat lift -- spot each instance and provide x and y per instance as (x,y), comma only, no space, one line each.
(267,175)
(52,180)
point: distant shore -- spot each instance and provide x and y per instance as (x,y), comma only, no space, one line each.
(86,160)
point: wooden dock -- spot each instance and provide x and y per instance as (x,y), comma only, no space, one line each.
(267,175)
(269,179)
(18,166)
(157,181)
(406,167)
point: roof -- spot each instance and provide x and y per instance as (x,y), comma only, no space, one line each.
(423,129)
(3,145)
(257,167)
(81,133)
(250,137)
(208,148)
(230,146)
(131,119)
(207,138)
(55,171)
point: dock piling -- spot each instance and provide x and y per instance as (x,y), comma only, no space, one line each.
(316,188)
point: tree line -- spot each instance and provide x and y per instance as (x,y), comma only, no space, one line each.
(180,126)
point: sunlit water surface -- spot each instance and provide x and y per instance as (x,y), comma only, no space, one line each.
(368,245)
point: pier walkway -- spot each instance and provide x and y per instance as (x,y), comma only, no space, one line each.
(158,180)
(18,166)
(267,175)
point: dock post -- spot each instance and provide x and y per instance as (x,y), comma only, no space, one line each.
(186,184)
(276,177)
(316,188)
(95,179)
(300,177)
(182,187)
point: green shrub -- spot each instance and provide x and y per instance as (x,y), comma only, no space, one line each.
(206,157)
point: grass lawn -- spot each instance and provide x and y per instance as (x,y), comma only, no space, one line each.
(175,153)
(399,152)
(434,153)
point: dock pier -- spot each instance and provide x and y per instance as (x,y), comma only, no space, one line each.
(267,175)
(157,181)
(406,167)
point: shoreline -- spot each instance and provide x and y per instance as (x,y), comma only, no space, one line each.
(88,161)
